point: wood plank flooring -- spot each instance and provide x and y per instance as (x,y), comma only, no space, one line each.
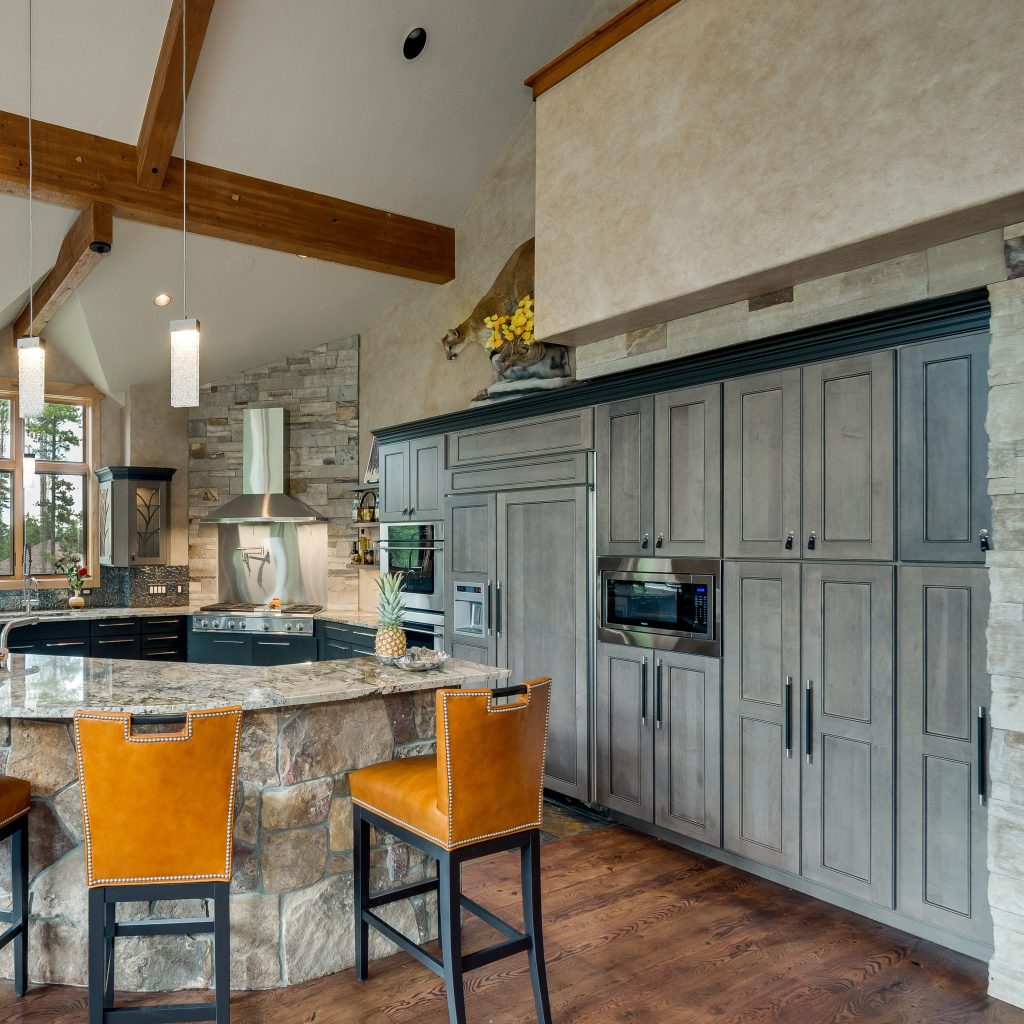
(637,930)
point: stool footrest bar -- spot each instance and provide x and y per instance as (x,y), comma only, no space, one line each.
(425,958)
(500,950)
(134,893)
(166,926)
(15,929)
(381,899)
(492,919)
(170,1014)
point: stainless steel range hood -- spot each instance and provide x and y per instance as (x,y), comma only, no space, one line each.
(264,451)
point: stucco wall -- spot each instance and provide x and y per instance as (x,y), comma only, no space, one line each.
(730,138)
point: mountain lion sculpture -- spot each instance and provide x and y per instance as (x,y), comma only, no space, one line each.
(517,368)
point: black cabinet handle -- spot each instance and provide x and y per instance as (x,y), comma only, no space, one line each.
(788,710)
(645,543)
(660,542)
(984,540)
(657,694)
(982,756)
(497,609)
(643,693)
(809,721)
(490,608)
(789,541)
(812,541)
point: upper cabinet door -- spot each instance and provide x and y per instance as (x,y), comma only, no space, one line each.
(945,513)
(426,478)
(762,465)
(688,472)
(848,458)
(625,478)
(394,481)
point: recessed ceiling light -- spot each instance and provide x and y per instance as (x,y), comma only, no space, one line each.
(415,43)
(163,299)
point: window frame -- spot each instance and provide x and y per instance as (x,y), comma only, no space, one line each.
(90,399)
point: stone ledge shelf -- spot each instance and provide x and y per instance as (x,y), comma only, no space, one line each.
(305,728)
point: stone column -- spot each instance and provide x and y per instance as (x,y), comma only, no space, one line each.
(1006,634)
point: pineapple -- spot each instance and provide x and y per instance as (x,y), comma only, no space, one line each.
(390,642)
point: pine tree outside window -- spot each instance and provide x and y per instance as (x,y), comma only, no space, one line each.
(55,516)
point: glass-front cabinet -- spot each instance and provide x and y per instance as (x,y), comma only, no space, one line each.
(134,514)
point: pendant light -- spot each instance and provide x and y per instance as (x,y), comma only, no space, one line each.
(184,332)
(31,352)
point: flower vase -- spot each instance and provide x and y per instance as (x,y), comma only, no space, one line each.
(76,601)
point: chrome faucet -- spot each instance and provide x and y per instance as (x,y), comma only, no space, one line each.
(29,620)
(29,584)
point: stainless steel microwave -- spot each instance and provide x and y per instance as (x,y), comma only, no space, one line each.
(671,604)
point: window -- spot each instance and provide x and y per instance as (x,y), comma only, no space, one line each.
(50,517)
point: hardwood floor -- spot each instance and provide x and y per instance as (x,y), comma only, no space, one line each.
(639,931)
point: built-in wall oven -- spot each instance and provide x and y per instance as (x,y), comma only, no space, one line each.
(416,550)
(670,604)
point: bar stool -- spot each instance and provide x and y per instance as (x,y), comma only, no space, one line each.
(480,794)
(14,808)
(158,811)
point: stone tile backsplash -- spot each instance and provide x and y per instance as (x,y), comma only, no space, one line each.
(120,587)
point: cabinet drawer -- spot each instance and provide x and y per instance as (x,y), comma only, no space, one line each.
(353,636)
(538,437)
(163,625)
(209,649)
(570,468)
(115,647)
(283,650)
(55,629)
(336,650)
(79,647)
(114,627)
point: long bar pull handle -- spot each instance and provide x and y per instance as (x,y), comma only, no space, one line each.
(657,694)
(643,693)
(809,721)
(498,616)
(982,756)
(490,608)
(789,715)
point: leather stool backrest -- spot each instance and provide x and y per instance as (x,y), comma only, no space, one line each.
(490,761)
(158,806)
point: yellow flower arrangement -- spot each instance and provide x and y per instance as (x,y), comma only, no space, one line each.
(512,327)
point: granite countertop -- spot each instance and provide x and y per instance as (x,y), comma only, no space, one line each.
(41,686)
(350,616)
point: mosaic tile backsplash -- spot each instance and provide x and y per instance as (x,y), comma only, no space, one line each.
(121,587)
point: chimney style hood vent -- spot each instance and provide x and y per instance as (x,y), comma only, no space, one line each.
(264,455)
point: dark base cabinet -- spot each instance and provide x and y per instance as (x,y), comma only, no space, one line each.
(337,640)
(214,649)
(165,638)
(282,650)
(123,637)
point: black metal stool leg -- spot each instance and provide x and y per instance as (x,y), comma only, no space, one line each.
(529,858)
(361,889)
(97,956)
(19,873)
(222,952)
(450,912)
(109,923)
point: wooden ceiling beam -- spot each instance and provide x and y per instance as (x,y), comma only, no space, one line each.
(89,239)
(162,119)
(604,37)
(74,168)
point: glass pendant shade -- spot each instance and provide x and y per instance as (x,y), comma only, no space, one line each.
(31,377)
(184,363)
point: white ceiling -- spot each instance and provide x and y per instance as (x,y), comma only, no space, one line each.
(314,94)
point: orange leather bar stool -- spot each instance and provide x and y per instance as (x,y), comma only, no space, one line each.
(480,794)
(158,809)
(14,808)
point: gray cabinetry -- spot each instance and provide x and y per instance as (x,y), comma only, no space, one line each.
(472,532)
(536,437)
(848,774)
(945,513)
(134,515)
(412,480)
(761,668)
(762,465)
(941,818)
(540,616)
(658,728)
(659,474)
(848,458)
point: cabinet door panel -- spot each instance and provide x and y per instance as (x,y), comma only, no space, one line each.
(625,478)
(848,458)
(688,472)
(762,465)
(761,775)
(625,710)
(472,530)
(394,481)
(941,823)
(426,474)
(944,502)
(687,746)
(848,697)
(541,616)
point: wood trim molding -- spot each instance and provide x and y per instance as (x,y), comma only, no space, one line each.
(73,168)
(162,119)
(613,31)
(85,244)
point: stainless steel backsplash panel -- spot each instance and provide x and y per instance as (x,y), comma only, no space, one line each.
(260,561)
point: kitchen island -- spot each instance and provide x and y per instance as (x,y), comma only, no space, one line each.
(305,728)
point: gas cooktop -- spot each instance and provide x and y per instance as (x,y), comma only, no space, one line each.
(290,618)
(262,609)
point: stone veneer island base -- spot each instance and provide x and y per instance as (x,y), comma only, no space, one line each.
(305,728)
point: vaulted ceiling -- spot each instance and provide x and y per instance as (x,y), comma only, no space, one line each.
(315,95)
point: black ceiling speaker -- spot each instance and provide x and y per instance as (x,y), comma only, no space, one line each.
(414,44)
